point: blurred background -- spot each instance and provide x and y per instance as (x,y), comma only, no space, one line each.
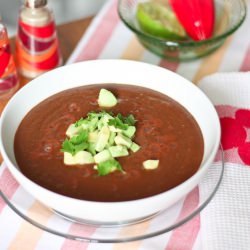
(64,10)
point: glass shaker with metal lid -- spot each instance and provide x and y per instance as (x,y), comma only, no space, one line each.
(37,47)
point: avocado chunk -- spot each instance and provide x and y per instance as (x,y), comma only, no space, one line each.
(73,130)
(151,164)
(118,151)
(93,136)
(106,98)
(114,129)
(130,131)
(82,157)
(123,140)
(99,139)
(111,139)
(134,147)
(102,140)
(91,148)
(102,156)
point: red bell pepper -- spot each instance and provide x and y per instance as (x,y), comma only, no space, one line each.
(196,16)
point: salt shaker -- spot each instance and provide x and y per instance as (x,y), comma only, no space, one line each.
(8,74)
(37,48)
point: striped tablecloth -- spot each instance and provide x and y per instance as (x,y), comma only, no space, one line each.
(107,37)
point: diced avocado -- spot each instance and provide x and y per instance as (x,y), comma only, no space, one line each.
(111,138)
(102,140)
(99,138)
(130,131)
(123,140)
(151,164)
(93,136)
(114,129)
(72,130)
(91,148)
(106,98)
(68,159)
(135,147)
(118,151)
(102,156)
(82,157)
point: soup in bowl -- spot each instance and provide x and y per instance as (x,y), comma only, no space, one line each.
(109,141)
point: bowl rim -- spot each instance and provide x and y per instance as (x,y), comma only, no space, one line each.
(16,171)
(130,238)
(183,43)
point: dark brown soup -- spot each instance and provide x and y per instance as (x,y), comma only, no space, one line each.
(165,131)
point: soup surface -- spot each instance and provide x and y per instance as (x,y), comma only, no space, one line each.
(165,131)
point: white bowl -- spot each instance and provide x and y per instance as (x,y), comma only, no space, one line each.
(110,71)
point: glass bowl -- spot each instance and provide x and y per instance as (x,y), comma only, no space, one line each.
(167,220)
(229,15)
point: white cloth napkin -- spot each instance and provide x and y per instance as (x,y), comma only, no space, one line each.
(225,222)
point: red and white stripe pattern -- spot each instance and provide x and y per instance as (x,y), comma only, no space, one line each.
(107,37)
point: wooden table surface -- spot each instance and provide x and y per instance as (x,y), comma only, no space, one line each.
(69,34)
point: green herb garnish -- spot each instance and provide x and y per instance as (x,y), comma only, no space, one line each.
(130,120)
(78,139)
(67,146)
(108,167)
(118,123)
(76,143)
(122,122)
(100,138)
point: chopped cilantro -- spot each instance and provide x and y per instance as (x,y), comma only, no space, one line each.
(87,133)
(130,120)
(92,115)
(67,146)
(76,143)
(80,147)
(78,139)
(108,166)
(117,122)
(122,122)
